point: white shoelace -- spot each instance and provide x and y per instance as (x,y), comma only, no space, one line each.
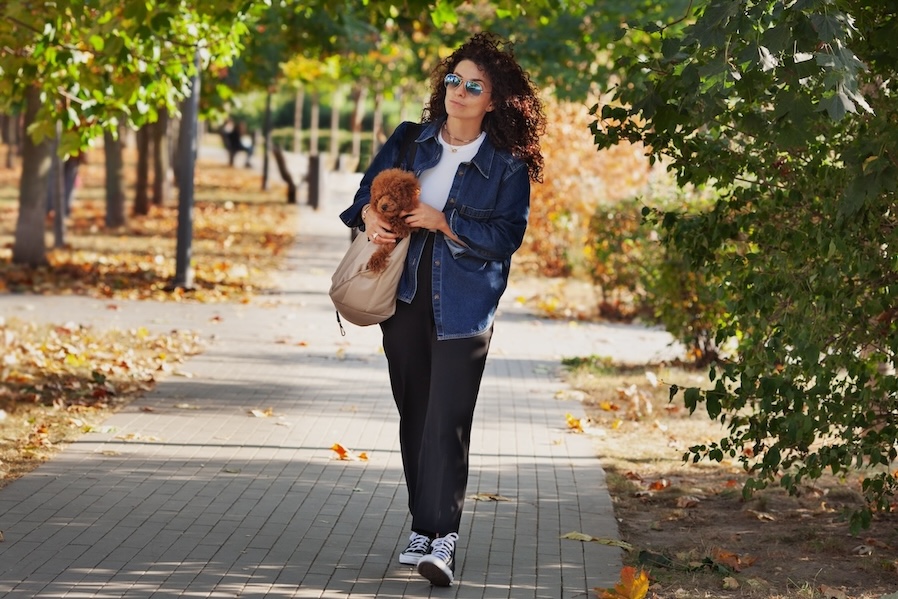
(443,547)
(417,543)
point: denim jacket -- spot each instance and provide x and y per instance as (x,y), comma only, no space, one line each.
(487,209)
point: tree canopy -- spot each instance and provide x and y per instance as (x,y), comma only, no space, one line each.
(788,110)
(102,62)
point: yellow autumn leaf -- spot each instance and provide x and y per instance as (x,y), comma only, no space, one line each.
(632,585)
(574,423)
(342,452)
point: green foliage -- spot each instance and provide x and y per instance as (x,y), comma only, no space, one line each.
(595,364)
(787,110)
(100,62)
(618,247)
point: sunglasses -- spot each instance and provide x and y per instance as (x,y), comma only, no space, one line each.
(474,88)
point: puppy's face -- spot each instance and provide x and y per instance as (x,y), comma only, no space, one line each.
(388,206)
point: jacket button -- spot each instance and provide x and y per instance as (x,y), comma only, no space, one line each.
(436,262)
(436,296)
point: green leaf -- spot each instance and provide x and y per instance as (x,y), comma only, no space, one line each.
(836,106)
(97,42)
(443,13)
(828,27)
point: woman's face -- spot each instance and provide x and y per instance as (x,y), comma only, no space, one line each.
(462,103)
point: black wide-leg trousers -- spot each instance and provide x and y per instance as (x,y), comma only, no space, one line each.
(435,385)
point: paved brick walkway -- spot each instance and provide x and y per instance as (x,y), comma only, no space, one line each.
(197,498)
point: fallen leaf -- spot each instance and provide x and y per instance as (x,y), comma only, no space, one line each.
(136,437)
(579,536)
(632,585)
(831,593)
(573,423)
(661,483)
(266,413)
(762,515)
(687,501)
(730,584)
(732,560)
(345,454)
(488,497)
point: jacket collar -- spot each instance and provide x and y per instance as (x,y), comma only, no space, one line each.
(483,160)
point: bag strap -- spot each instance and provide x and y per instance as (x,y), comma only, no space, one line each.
(409,142)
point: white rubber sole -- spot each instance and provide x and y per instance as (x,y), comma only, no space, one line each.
(436,571)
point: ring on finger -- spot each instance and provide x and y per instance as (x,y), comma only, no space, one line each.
(375,236)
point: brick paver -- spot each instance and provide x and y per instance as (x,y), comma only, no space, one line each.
(185,494)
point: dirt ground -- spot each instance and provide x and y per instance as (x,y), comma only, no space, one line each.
(690,528)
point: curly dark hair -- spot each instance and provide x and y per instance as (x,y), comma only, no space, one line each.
(517,120)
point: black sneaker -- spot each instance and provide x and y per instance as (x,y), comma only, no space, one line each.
(418,546)
(438,565)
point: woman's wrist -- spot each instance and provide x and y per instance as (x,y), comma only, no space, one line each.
(365,211)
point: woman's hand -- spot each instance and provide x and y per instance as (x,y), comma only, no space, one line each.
(376,228)
(425,216)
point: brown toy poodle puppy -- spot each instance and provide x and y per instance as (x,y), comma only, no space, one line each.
(393,192)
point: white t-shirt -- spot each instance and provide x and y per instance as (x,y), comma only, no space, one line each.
(437,181)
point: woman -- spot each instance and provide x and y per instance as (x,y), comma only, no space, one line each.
(475,156)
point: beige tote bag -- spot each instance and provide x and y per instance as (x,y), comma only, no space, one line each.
(360,296)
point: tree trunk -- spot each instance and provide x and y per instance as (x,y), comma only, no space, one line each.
(12,139)
(29,246)
(266,138)
(162,159)
(115,181)
(177,130)
(313,126)
(358,114)
(141,188)
(187,152)
(336,96)
(297,121)
(57,197)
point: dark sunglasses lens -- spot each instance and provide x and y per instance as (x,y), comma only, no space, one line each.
(473,88)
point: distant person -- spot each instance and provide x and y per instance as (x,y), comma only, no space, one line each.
(476,155)
(237,139)
(70,169)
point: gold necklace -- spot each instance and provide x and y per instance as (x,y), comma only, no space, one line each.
(452,138)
